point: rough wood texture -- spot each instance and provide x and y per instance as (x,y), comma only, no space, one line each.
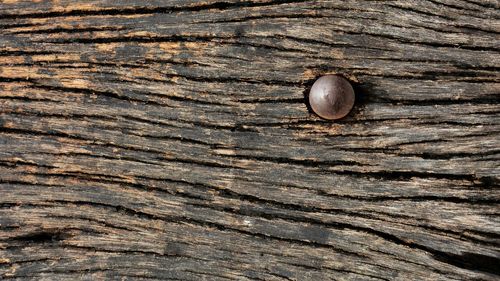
(171,140)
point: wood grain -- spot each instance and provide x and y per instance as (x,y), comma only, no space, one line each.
(172,140)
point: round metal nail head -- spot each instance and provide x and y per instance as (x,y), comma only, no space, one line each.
(331,97)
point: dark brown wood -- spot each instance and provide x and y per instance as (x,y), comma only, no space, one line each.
(172,140)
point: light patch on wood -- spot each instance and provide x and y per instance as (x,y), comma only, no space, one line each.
(6,87)
(129,179)
(62,167)
(48,26)
(157,224)
(141,34)
(224,151)
(107,48)
(149,73)
(309,74)
(8,125)
(12,270)
(20,72)
(40,21)
(32,169)
(307,129)
(11,60)
(101,34)
(29,178)
(170,47)
(75,83)
(247,222)
(243,163)
(351,77)
(196,48)
(56,57)
(337,54)
(71,6)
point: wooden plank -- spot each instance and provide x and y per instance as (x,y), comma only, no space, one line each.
(172,140)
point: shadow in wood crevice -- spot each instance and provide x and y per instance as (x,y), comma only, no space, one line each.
(222,5)
(361,92)
(42,236)
(489,182)
(307,88)
(471,261)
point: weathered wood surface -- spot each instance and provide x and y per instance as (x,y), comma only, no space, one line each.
(171,140)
